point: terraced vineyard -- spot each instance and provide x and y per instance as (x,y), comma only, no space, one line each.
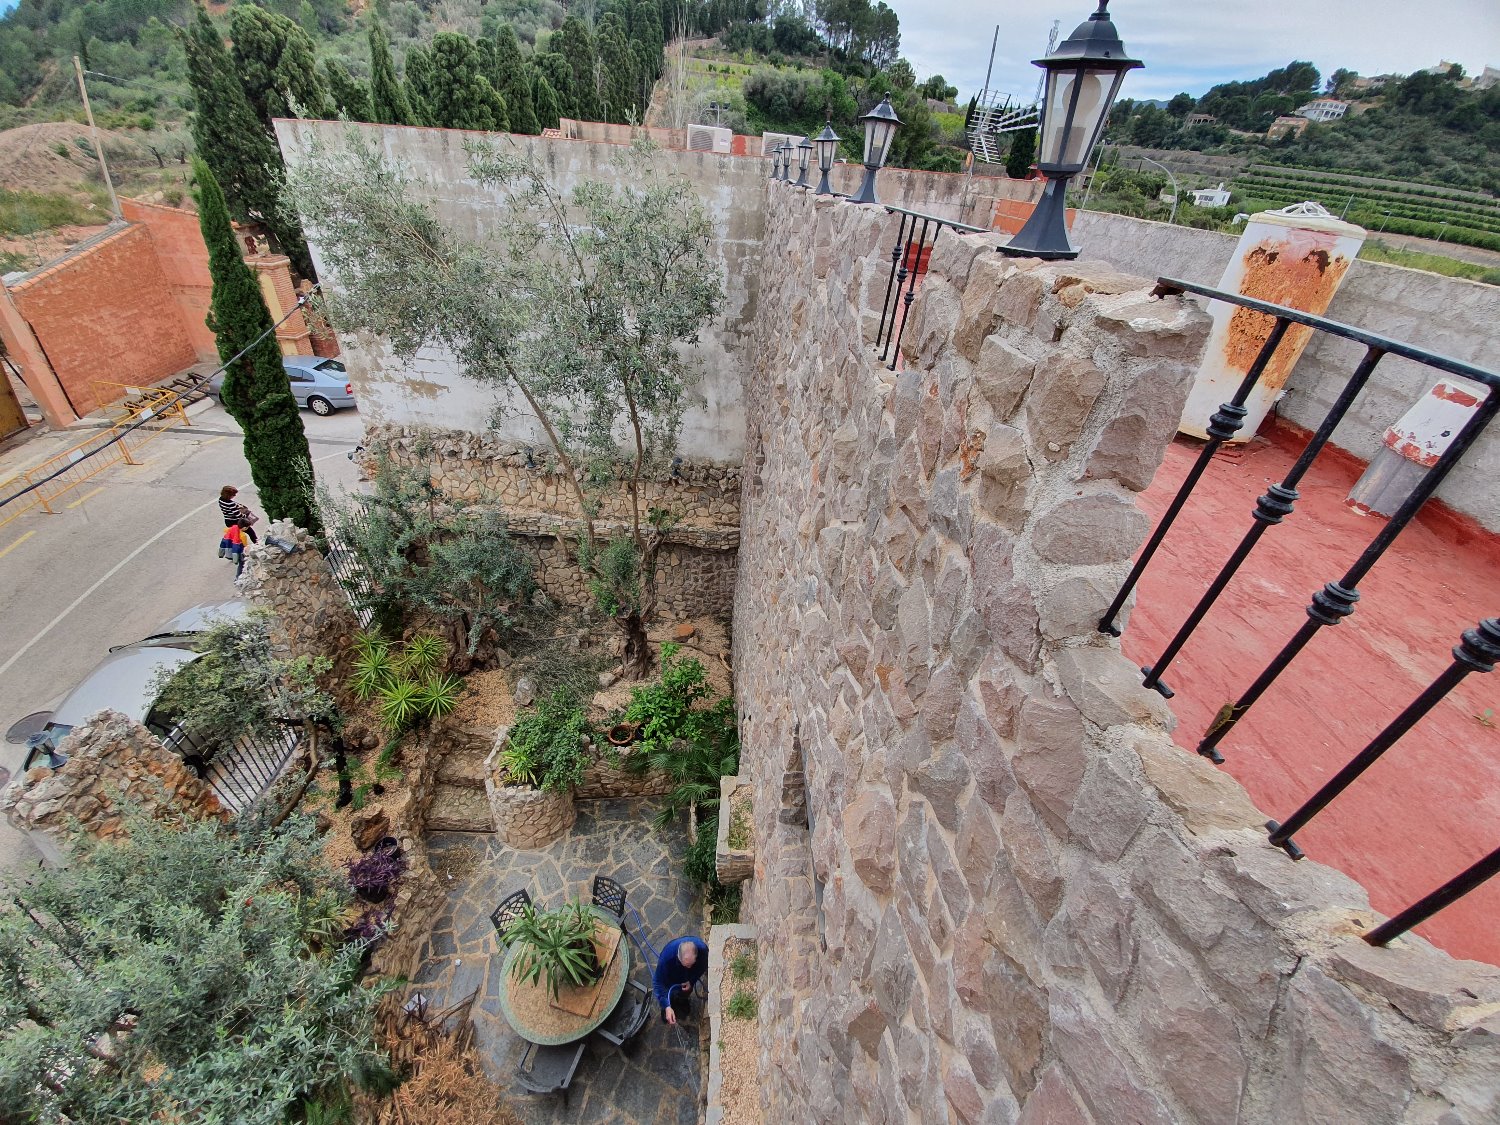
(1448,214)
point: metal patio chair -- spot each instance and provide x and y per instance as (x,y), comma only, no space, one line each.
(629,1016)
(610,896)
(550,1070)
(508,913)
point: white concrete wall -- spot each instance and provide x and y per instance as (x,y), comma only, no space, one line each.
(1447,315)
(433,391)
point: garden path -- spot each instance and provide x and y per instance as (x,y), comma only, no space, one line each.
(657,1078)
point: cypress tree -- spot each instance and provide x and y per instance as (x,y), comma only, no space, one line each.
(256,391)
(616,70)
(348,93)
(1018,160)
(461,97)
(559,76)
(421,78)
(544,98)
(574,43)
(388,104)
(277,66)
(237,149)
(511,79)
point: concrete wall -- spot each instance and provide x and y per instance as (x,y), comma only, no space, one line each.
(988,887)
(433,392)
(106,312)
(1447,315)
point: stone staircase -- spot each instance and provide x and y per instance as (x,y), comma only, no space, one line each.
(458,800)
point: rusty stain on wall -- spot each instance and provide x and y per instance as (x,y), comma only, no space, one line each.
(1306,283)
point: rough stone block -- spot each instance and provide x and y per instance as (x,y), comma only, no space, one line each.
(1003,373)
(1107,688)
(1131,446)
(1059,403)
(869,823)
(1206,798)
(930,322)
(1074,606)
(1032,854)
(1052,1102)
(953,255)
(1050,757)
(1090,529)
(977,310)
(1172,327)
(1427,987)
(1107,1082)
(1005,475)
(943,781)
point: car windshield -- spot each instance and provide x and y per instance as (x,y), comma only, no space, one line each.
(329,365)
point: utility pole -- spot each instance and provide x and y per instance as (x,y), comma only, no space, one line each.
(88,110)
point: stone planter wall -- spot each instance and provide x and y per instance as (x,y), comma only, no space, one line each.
(717,937)
(604,780)
(732,865)
(524,817)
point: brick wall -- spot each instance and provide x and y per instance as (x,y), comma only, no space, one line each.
(988,887)
(184,261)
(107,312)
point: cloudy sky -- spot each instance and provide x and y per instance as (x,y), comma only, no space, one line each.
(1193,45)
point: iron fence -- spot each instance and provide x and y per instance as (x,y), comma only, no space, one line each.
(345,567)
(1478,649)
(909,258)
(239,772)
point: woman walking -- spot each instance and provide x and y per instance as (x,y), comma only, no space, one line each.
(236,514)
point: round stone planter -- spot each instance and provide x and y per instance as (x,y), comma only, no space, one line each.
(527,817)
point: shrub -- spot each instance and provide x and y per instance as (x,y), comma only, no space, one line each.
(545,746)
(557,945)
(742,1005)
(374,875)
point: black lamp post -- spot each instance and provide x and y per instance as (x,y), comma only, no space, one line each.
(827,144)
(776,163)
(786,162)
(804,157)
(880,124)
(1083,77)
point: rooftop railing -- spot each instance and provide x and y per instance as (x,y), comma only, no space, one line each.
(1478,649)
(915,238)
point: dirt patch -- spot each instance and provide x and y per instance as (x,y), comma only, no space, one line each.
(49,156)
(739,1052)
(488,702)
(741,835)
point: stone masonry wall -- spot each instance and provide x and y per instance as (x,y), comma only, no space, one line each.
(988,887)
(112,760)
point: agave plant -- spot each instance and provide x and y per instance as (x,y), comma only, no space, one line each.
(557,945)
(439,696)
(373,669)
(400,705)
(423,655)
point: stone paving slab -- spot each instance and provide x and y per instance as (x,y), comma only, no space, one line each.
(656,1080)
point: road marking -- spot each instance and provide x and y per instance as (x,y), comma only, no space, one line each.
(86,496)
(119,566)
(7,550)
(211,440)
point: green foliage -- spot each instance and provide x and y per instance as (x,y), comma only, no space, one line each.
(372,669)
(255,391)
(25,213)
(350,96)
(203,952)
(388,104)
(400,704)
(457,93)
(1022,152)
(742,1005)
(614,574)
(574,42)
(511,77)
(620,92)
(422,655)
(407,679)
(545,102)
(744,966)
(544,747)
(276,64)
(1377,251)
(439,696)
(555,945)
(668,709)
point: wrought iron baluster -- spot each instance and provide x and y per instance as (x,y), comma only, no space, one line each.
(883,337)
(1335,601)
(1425,907)
(1223,425)
(911,289)
(1270,509)
(1477,651)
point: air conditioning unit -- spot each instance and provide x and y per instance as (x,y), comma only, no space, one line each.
(770,141)
(709,138)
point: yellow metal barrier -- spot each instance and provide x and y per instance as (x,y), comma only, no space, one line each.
(152,402)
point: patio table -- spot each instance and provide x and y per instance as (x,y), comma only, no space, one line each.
(531,1011)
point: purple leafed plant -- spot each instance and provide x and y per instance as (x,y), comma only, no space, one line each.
(372,876)
(371,925)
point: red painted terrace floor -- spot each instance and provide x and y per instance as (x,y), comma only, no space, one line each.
(1431,805)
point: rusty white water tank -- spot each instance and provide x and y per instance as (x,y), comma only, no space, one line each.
(1296,257)
(1413,445)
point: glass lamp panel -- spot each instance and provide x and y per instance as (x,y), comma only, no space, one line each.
(1055,115)
(825,154)
(804,154)
(1090,103)
(877,141)
(1115,81)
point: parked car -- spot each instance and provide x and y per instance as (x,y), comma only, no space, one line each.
(125,680)
(321,385)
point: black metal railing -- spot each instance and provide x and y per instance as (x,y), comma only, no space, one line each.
(1477,651)
(352,579)
(239,772)
(907,265)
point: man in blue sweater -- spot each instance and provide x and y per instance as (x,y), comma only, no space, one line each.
(682,965)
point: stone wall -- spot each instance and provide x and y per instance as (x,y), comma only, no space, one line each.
(988,887)
(112,761)
(1447,315)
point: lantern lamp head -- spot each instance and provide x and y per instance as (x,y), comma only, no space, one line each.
(827,144)
(880,125)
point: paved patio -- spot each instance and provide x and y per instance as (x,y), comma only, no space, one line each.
(657,1078)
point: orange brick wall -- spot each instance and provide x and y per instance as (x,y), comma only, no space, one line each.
(184,261)
(108,312)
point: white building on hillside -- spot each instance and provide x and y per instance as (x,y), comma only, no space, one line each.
(1211,197)
(1323,109)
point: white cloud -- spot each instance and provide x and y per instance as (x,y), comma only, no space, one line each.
(1191,46)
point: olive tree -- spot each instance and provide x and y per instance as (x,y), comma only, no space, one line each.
(577,302)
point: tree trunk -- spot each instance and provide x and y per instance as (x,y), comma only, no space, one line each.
(636,664)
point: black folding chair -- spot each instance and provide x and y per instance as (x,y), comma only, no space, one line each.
(550,1070)
(629,1016)
(610,896)
(508,913)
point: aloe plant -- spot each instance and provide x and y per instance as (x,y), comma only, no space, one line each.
(400,704)
(423,655)
(555,945)
(439,696)
(372,670)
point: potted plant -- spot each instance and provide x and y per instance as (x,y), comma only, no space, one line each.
(372,876)
(556,945)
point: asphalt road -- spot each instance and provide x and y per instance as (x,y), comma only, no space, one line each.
(134,547)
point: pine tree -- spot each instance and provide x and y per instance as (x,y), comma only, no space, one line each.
(421,78)
(461,96)
(388,104)
(256,391)
(228,136)
(574,43)
(277,66)
(617,71)
(511,79)
(554,67)
(544,98)
(1022,148)
(351,96)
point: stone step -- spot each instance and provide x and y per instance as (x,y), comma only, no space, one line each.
(459,808)
(466,770)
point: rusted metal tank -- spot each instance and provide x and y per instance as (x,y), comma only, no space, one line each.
(1297,257)
(1413,445)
